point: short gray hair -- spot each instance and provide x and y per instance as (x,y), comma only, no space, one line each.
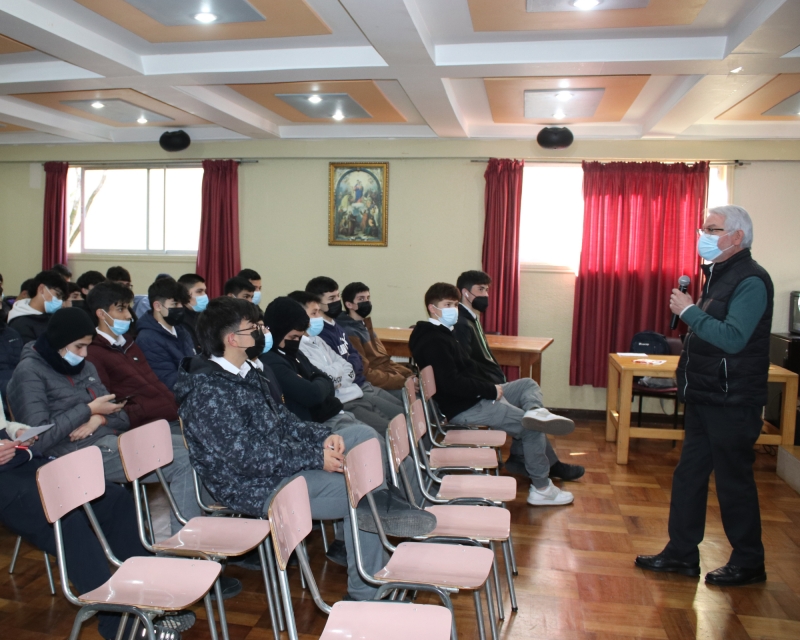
(736,219)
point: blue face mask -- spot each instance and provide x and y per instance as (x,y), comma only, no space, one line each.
(708,247)
(257,297)
(53,304)
(201,304)
(118,327)
(449,316)
(267,342)
(72,359)
(316,327)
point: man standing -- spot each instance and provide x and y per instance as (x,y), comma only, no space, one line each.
(722,378)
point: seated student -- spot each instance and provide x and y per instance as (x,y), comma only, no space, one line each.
(336,339)
(255,280)
(238,287)
(162,336)
(198,299)
(245,445)
(120,362)
(29,317)
(62,270)
(474,289)
(10,350)
(89,279)
(120,275)
(339,370)
(54,384)
(379,368)
(74,297)
(467,397)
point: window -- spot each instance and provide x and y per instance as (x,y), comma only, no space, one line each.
(148,210)
(718,187)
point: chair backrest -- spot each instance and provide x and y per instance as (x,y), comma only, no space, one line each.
(397,436)
(145,449)
(410,390)
(289,519)
(71,481)
(675,346)
(419,425)
(363,470)
(427,383)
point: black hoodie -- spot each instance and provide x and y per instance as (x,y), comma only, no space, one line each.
(459,384)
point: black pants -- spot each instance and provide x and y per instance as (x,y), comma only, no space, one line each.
(718,439)
(21,511)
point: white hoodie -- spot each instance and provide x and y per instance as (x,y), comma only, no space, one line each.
(340,370)
(22,308)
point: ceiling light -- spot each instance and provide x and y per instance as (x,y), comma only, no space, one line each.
(142,120)
(338,116)
(559,114)
(205,17)
(563,96)
(564,84)
(98,105)
(585,5)
(737,69)
(314,99)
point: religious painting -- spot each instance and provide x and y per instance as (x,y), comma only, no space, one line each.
(358,204)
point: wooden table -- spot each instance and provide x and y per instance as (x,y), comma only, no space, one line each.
(622,370)
(512,351)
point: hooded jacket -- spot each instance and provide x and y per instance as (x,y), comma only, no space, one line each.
(241,442)
(339,370)
(124,371)
(39,395)
(10,351)
(163,350)
(468,332)
(379,368)
(459,384)
(27,321)
(335,337)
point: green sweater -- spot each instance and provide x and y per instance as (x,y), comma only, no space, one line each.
(747,305)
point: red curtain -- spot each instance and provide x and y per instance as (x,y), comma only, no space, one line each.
(500,259)
(639,237)
(54,248)
(218,250)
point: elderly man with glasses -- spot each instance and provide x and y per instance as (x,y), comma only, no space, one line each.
(722,378)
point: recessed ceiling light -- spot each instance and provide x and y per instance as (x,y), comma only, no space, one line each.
(559,114)
(585,5)
(142,120)
(564,84)
(314,99)
(563,96)
(205,17)
(737,69)
(338,116)
(98,105)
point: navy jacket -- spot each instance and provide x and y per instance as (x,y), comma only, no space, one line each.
(163,351)
(10,351)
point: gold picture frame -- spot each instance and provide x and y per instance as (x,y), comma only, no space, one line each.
(358,204)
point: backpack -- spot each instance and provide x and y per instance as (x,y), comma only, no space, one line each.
(651,343)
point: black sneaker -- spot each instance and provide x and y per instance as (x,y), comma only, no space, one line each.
(566,471)
(250,561)
(399,518)
(231,587)
(337,553)
(179,621)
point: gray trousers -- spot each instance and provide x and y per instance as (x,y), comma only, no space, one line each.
(367,413)
(328,496)
(383,400)
(506,414)
(178,474)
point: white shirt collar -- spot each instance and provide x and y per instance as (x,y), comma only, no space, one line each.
(330,322)
(171,330)
(229,366)
(119,341)
(256,364)
(437,323)
(471,312)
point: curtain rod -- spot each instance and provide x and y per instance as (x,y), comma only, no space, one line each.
(735,163)
(194,162)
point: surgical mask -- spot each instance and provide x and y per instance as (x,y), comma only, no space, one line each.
(334,309)
(118,327)
(201,302)
(708,247)
(73,359)
(174,316)
(259,347)
(291,347)
(449,316)
(364,309)
(480,303)
(268,341)
(53,304)
(257,297)
(316,326)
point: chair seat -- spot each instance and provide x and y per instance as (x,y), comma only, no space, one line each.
(495,488)
(169,584)
(464,457)
(655,391)
(443,565)
(388,621)
(487,438)
(471,521)
(217,536)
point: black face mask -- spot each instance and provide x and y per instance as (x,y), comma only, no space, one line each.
(175,316)
(291,347)
(364,309)
(480,303)
(334,309)
(258,348)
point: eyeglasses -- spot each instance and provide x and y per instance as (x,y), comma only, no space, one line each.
(709,230)
(246,332)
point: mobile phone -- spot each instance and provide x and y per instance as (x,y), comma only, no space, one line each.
(121,400)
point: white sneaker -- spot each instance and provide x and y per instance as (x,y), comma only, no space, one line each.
(550,496)
(542,420)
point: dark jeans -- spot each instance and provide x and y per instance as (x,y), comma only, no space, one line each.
(718,439)
(21,511)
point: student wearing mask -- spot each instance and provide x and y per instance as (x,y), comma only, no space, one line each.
(29,317)
(120,275)
(255,279)
(198,300)
(74,297)
(238,287)
(62,270)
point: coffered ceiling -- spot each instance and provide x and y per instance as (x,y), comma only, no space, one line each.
(242,69)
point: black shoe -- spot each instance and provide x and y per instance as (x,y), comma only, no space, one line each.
(515,465)
(732,576)
(399,518)
(666,564)
(566,471)
(230,587)
(337,553)
(250,561)
(179,621)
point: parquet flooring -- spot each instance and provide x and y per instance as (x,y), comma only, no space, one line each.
(577,580)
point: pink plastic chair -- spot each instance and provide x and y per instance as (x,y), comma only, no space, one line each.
(290,519)
(145,587)
(145,450)
(440,568)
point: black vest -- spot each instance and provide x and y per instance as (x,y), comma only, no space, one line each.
(707,374)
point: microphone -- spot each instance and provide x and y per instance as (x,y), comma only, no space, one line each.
(683,287)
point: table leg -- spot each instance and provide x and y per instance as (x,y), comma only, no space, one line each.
(788,411)
(624,427)
(533,363)
(612,397)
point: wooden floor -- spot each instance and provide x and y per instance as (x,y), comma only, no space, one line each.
(576,578)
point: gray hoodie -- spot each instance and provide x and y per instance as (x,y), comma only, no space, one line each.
(340,370)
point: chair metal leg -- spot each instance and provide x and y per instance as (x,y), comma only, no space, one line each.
(511,553)
(123,622)
(223,621)
(212,625)
(15,555)
(291,627)
(324,535)
(146,504)
(273,578)
(639,417)
(476,596)
(84,613)
(492,622)
(511,591)
(303,584)
(134,628)
(496,574)
(262,555)
(49,570)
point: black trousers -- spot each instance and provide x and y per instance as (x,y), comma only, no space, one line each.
(718,439)
(21,511)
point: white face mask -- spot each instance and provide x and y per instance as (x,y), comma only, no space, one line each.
(449,316)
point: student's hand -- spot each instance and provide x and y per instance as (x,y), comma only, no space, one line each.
(103,405)
(87,429)
(7,450)
(334,442)
(334,462)
(499,392)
